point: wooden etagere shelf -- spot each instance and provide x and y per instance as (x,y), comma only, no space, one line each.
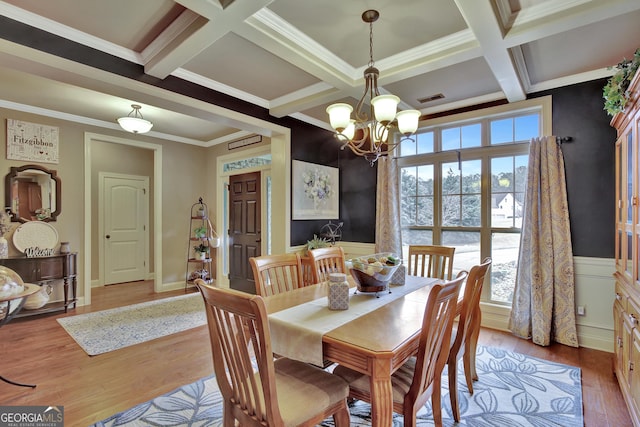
(203,242)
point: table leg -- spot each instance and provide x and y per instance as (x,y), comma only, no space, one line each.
(15,383)
(66,294)
(381,395)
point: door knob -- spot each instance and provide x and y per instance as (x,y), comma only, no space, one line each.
(108,236)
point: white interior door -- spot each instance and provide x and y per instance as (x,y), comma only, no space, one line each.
(125,231)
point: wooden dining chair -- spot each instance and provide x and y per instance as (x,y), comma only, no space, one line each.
(307,270)
(326,261)
(274,274)
(278,393)
(420,376)
(464,337)
(431,261)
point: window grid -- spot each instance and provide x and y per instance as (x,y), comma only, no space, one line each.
(474,231)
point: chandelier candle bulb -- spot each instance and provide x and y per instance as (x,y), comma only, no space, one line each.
(408,121)
(338,291)
(339,115)
(350,131)
(385,107)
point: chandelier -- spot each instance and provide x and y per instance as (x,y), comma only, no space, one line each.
(367,135)
(134,122)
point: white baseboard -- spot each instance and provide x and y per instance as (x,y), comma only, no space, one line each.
(95,283)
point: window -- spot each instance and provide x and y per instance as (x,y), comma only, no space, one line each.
(462,184)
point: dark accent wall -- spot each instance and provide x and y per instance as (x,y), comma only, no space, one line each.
(357,187)
(577,112)
(589,165)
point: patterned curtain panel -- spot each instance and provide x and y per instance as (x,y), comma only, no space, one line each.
(543,302)
(388,233)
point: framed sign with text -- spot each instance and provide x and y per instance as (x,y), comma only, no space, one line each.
(32,142)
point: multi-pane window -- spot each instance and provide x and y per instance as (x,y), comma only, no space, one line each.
(465,188)
(423,144)
(510,129)
(461,137)
(461,183)
(417,195)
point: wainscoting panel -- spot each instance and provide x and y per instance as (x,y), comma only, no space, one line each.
(595,291)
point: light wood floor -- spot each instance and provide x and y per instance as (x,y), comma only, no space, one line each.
(38,350)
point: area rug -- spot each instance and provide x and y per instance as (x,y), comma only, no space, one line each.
(108,330)
(513,390)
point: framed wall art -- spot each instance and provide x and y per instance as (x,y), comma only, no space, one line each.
(315,191)
(32,142)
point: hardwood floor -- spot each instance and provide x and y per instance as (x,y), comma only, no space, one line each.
(38,350)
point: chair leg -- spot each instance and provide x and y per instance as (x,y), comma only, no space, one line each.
(228,420)
(468,368)
(342,418)
(453,388)
(410,418)
(472,348)
(436,402)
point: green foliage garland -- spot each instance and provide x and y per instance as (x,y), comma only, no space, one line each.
(615,91)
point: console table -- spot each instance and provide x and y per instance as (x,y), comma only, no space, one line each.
(61,268)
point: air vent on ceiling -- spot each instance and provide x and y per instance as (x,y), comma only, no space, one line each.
(431,98)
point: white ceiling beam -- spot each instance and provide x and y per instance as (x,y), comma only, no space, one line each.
(486,25)
(278,37)
(551,18)
(210,23)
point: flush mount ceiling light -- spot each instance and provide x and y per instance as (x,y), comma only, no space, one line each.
(134,122)
(367,135)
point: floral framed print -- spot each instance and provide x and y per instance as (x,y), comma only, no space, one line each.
(315,191)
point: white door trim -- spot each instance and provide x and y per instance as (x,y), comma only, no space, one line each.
(89,137)
(222,262)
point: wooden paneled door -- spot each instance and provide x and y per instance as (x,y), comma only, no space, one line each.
(244,229)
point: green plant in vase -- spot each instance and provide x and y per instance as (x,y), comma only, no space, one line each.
(201,250)
(200,232)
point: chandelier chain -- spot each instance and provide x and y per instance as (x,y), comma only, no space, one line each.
(371,63)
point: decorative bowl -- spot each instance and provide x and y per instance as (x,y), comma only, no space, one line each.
(372,272)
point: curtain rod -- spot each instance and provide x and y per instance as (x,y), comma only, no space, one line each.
(563,139)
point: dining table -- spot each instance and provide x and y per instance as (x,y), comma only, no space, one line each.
(375,336)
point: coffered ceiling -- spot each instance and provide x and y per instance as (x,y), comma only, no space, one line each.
(295,57)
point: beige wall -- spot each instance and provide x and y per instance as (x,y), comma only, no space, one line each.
(183,166)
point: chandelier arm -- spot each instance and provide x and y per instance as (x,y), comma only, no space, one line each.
(360,151)
(350,142)
(360,115)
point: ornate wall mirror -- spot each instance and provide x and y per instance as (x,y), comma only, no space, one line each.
(33,193)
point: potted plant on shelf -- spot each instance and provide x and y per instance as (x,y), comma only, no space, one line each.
(615,91)
(201,251)
(200,232)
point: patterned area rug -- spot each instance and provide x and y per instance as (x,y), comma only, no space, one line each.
(108,330)
(513,390)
